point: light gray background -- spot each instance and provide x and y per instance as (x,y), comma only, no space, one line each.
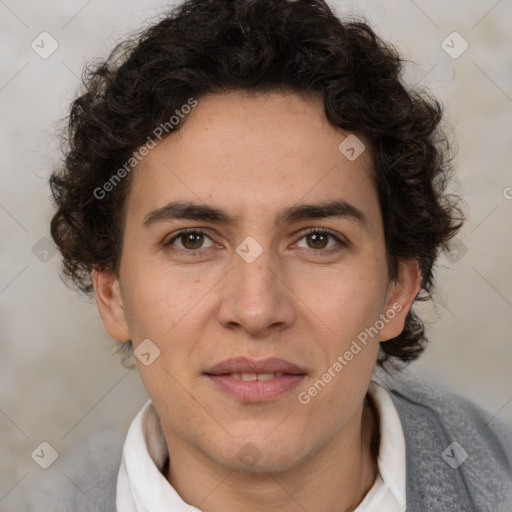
(58,379)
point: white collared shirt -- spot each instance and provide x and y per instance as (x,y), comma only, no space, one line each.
(141,486)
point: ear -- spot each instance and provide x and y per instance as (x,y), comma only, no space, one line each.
(401,294)
(110,303)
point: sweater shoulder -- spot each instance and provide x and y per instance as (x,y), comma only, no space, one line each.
(83,478)
(457,453)
(412,392)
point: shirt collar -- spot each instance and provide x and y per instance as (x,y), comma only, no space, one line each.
(141,487)
(391,459)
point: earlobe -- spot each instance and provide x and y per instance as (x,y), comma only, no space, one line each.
(402,293)
(110,303)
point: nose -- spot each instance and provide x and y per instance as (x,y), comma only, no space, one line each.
(255,296)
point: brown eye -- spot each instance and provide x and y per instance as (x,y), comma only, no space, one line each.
(318,239)
(192,240)
(189,240)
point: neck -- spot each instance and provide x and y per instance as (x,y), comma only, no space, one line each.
(335,479)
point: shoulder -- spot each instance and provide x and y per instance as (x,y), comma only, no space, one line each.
(415,394)
(458,455)
(84,478)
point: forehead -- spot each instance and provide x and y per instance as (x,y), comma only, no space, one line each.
(252,154)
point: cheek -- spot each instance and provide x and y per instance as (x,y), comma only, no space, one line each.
(350,306)
(348,299)
(350,309)
(158,299)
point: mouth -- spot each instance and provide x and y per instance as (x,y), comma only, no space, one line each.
(249,380)
(249,377)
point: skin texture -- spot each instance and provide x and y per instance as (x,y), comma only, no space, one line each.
(253,155)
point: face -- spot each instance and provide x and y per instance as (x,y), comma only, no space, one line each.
(283,257)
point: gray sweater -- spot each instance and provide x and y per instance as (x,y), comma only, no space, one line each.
(458,457)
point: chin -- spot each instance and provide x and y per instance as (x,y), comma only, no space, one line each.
(263,454)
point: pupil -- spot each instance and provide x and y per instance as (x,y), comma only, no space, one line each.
(189,239)
(315,237)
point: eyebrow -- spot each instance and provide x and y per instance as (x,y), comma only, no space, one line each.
(179,210)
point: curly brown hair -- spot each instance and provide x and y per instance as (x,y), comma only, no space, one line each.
(212,46)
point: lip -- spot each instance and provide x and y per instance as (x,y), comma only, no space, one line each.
(246,365)
(256,391)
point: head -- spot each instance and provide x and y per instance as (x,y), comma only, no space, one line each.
(310,183)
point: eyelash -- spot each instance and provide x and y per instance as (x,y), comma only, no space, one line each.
(197,252)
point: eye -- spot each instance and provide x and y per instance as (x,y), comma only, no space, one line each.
(318,239)
(189,240)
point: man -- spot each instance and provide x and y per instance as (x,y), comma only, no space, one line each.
(256,201)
